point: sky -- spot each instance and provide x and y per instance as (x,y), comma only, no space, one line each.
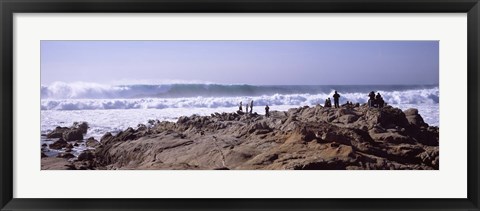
(241,62)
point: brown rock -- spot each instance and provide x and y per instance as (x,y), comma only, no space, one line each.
(301,138)
(58,144)
(73,135)
(57,132)
(86,156)
(414,118)
(91,142)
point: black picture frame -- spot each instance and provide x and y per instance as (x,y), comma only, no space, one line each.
(9,7)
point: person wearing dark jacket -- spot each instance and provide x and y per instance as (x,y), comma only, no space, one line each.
(328,103)
(336,98)
(251,106)
(379,100)
(371,99)
(267,114)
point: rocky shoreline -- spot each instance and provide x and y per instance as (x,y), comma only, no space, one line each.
(305,138)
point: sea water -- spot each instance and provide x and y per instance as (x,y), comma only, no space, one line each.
(110,108)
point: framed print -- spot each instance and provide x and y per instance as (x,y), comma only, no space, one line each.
(249,105)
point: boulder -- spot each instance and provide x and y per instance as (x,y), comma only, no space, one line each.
(73,135)
(82,127)
(57,132)
(91,142)
(58,144)
(86,156)
(414,118)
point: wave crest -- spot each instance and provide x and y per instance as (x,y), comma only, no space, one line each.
(419,96)
(83,90)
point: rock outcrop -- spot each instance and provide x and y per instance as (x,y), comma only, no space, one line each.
(305,138)
(73,133)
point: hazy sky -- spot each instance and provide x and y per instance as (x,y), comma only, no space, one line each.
(241,62)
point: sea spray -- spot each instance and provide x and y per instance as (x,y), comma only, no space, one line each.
(423,96)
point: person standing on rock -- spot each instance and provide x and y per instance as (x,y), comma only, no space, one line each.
(240,106)
(336,98)
(246,108)
(251,106)
(267,114)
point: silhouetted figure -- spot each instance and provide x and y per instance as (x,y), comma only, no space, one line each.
(371,99)
(246,109)
(267,114)
(336,97)
(379,100)
(240,106)
(251,106)
(328,103)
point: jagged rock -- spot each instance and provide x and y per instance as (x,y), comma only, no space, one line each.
(128,134)
(70,133)
(73,135)
(300,138)
(59,144)
(57,132)
(106,137)
(141,127)
(91,142)
(81,127)
(414,118)
(86,156)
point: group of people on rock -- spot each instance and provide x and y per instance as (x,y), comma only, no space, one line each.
(336,99)
(240,108)
(375,101)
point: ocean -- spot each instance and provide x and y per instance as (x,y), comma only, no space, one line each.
(112,108)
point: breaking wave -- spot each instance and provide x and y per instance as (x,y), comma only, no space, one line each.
(82,90)
(425,96)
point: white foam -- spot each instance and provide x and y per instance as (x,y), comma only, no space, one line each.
(418,97)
